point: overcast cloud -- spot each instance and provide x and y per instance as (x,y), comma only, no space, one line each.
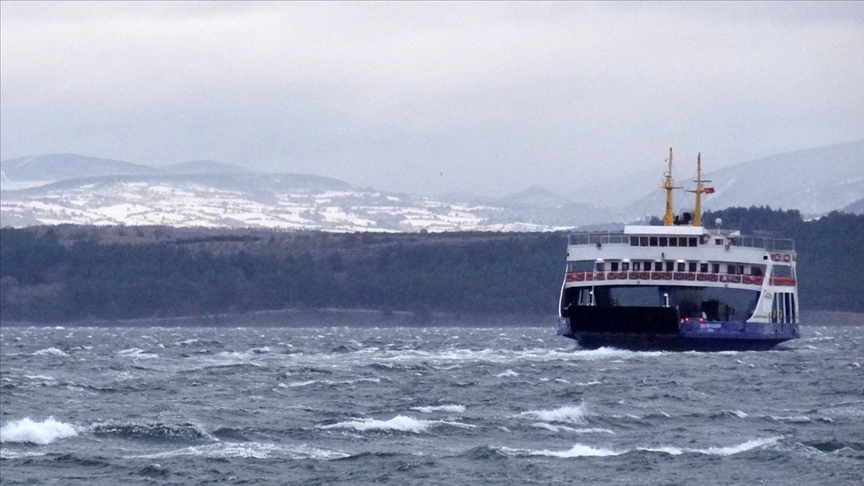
(432,97)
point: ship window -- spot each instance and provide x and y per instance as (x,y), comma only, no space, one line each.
(693,241)
(663,241)
(580,266)
(625,266)
(703,267)
(658,266)
(653,241)
(643,241)
(613,266)
(599,267)
(691,267)
(718,241)
(781,271)
(634,241)
(636,266)
(730,269)
(681,266)
(739,269)
(673,241)
(670,266)
(715,268)
(682,241)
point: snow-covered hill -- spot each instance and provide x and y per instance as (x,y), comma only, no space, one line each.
(213,194)
(284,201)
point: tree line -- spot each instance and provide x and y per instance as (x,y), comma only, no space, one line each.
(46,277)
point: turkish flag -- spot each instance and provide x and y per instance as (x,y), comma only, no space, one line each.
(709,190)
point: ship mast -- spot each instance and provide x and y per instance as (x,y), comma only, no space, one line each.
(700,189)
(669,217)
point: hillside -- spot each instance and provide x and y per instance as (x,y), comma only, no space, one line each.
(72,189)
(67,273)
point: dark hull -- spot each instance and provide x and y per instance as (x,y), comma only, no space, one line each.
(660,329)
(644,342)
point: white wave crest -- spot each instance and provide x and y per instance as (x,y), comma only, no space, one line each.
(250,450)
(50,352)
(560,428)
(136,353)
(746,446)
(577,450)
(603,353)
(302,383)
(399,423)
(570,414)
(334,382)
(440,408)
(581,450)
(26,430)
(507,373)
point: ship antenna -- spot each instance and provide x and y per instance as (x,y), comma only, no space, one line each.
(669,217)
(700,189)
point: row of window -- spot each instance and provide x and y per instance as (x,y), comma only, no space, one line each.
(665,241)
(667,266)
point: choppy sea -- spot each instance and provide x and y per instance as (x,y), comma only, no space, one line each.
(446,405)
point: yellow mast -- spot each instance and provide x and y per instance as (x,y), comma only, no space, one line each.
(700,189)
(669,217)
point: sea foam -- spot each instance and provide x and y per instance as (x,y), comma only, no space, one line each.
(581,450)
(440,408)
(50,352)
(571,414)
(399,423)
(28,431)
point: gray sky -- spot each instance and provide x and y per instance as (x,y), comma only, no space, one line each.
(489,98)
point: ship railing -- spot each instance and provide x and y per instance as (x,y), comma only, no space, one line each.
(767,244)
(593,239)
(609,238)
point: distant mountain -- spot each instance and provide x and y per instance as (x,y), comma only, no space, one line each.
(203,167)
(68,188)
(55,167)
(855,208)
(283,201)
(534,197)
(814,181)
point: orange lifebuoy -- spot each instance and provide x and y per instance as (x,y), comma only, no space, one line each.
(580,276)
(775,257)
(787,257)
(748,279)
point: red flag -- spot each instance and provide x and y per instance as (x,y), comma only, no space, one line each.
(709,190)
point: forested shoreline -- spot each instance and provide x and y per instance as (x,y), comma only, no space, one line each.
(71,273)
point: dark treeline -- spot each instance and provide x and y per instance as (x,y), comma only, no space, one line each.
(58,274)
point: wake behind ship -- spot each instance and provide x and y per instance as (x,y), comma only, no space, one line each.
(679,286)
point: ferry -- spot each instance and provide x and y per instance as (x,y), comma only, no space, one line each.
(679,286)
